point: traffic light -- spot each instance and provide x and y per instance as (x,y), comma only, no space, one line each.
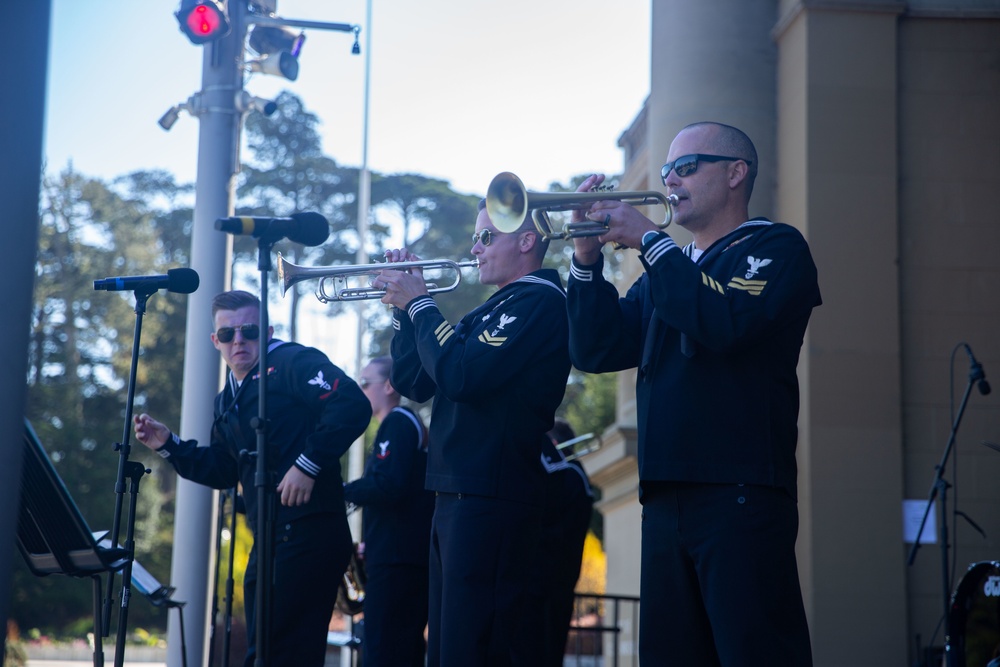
(202,20)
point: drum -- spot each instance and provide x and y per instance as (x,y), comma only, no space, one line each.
(974,617)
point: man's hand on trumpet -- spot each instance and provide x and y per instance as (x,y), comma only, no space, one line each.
(625,224)
(401,287)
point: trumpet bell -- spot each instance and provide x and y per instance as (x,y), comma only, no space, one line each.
(508,202)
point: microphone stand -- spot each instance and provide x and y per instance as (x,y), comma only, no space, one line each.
(227,617)
(264,480)
(220,522)
(308,229)
(227,638)
(133,471)
(939,485)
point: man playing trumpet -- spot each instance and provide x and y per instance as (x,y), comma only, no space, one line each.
(714,330)
(497,378)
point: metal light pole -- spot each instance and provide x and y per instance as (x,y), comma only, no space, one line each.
(219,108)
(356,455)
(193,557)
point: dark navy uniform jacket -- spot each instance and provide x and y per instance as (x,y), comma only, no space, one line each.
(497,379)
(315,413)
(567,486)
(397,508)
(716,343)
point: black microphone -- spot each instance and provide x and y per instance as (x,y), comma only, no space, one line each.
(976,373)
(308,228)
(182,281)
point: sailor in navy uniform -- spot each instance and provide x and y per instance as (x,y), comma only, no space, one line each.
(569,508)
(315,413)
(396,520)
(715,331)
(497,379)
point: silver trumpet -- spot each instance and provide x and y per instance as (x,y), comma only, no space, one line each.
(507,202)
(575,453)
(289,274)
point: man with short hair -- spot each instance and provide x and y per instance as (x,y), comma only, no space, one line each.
(396,522)
(497,379)
(714,330)
(315,413)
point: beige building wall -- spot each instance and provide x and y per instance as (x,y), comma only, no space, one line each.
(949,178)
(878,128)
(851,442)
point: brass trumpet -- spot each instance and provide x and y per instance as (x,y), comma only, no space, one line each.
(289,274)
(507,201)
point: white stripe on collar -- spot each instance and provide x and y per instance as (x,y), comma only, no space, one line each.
(540,281)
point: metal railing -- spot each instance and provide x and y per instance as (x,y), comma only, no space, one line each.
(604,631)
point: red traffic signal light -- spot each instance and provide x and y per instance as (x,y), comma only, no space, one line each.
(202,20)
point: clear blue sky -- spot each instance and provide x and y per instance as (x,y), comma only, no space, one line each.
(460,89)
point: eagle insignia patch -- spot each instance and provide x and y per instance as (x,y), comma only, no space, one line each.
(755,266)
(504,321)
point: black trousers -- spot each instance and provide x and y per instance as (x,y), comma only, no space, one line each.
(483,609)
(557,567)
(719,583)
(310,556)
(395,615)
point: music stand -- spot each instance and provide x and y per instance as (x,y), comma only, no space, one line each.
(151,589)
(53,536)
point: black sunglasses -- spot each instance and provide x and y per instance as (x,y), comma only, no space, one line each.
(485,237)
(248,331)
(686,165)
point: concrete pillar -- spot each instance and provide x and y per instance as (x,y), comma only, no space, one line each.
(836,104)
(714,60)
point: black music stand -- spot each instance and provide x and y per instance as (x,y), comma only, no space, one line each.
(53,536)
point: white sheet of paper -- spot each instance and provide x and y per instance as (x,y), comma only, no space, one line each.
(913,514)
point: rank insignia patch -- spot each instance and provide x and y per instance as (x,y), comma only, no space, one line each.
(504,321)
(753,287)
(755,265)
(490,339)
(710,282)
(443,333)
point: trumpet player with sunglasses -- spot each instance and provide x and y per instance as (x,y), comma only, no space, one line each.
(497,378)
(714,330)
(315,412)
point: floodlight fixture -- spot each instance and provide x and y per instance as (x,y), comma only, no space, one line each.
(168,119)
(278,47)
(171,115)
(282,64)
(265,39)
(247,102)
